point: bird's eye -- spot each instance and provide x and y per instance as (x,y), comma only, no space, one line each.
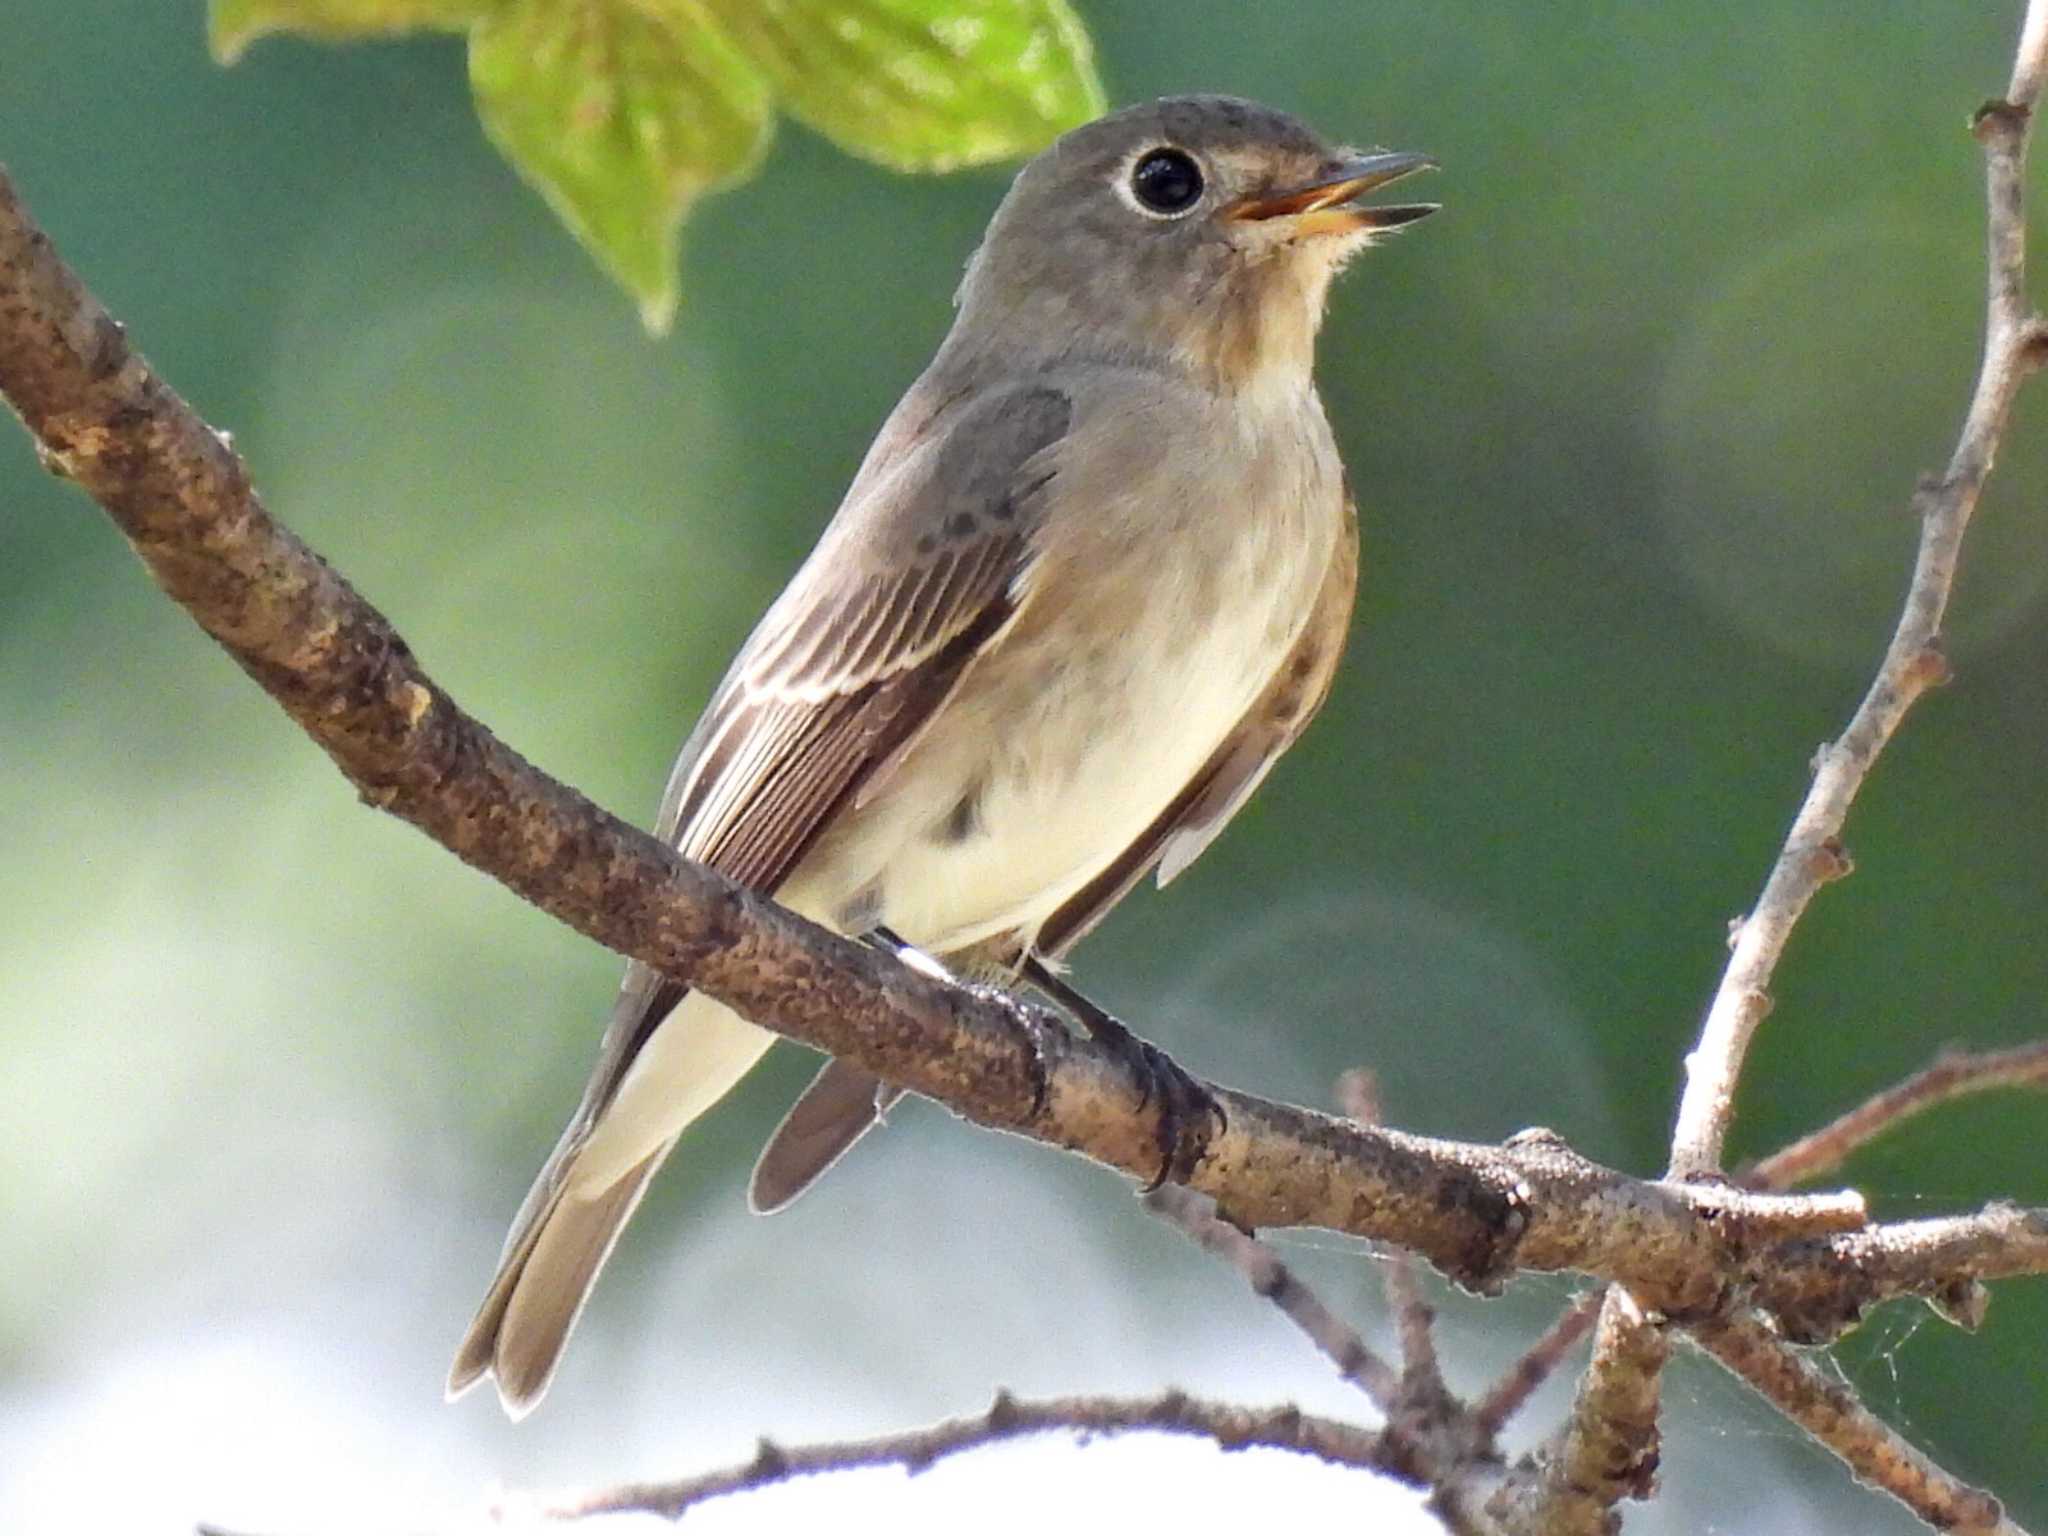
(1166,182)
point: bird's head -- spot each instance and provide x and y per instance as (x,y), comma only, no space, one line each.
(1199,231)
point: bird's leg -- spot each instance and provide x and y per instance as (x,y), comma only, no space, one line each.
(1183,1100)
(1040,1031)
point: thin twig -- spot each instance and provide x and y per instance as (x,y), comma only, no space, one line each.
(1008,1418)
(1609,1445)
(1428,1437)
(2014,346)
(1829,1411)
(1358,1097)
(1812,854)
(1508,1395)
(1268,1276)
(1950,1076)
(1415,1324)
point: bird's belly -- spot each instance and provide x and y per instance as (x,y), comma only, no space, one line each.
(1046,770)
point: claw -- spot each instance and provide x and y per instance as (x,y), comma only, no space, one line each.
(1183,1101)
(1043,1038)
(1183,1104)
(1042,1034)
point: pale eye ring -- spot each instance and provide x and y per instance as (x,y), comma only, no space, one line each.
(1166,182)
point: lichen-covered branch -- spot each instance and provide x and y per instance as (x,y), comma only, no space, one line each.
(1943,1261)
(1609,1448)
(1829,1411)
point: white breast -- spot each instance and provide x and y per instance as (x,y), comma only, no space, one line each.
(1144,639)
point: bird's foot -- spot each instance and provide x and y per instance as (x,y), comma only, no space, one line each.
(1045,1038)
(1189,1114)
(1042,1035)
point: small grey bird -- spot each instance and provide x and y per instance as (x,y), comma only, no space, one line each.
(1093,577)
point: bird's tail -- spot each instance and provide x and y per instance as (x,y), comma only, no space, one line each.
(586,1192)
(549,1267)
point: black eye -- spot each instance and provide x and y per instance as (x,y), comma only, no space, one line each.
(1167,181)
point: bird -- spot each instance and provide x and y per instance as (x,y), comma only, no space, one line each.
(1092,578)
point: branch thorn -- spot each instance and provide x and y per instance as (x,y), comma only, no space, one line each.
(1831,861)
(1997,118)
(2033,343)
(1930,667)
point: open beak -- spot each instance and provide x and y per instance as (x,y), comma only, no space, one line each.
(1328,206)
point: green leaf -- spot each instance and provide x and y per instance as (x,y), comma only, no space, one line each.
(924,85)
(232,25)
(621,114)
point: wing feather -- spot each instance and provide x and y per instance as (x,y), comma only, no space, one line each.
(923,564)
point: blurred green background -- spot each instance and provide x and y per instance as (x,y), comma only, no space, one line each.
(1634,425)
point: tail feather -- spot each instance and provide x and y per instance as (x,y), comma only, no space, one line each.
(842,1104)
(590,1185)
(541,1285)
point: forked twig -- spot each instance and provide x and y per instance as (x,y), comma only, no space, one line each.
(1812,855)
(1608,1449)
(1952,1075)
(1602,1457)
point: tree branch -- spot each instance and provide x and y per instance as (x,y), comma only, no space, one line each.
(184,499)
(1950,1076)
(1008,1418)
(1609,1449)
(1609,1445)
(2015,344)
(1672,1251)
(1268,1276)
(1943,1261)
(1829,1411)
